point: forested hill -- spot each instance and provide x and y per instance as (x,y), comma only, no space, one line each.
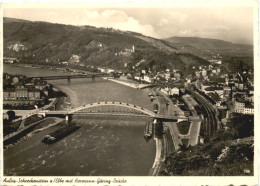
(41,42)
(214,45)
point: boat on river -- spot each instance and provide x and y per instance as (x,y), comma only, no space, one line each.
(148,131)
(60,133)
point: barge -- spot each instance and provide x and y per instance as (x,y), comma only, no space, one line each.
(148,131)
(60,133)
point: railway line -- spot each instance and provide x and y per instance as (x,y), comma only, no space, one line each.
(210,124)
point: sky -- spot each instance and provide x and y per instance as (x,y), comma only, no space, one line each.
(234,24)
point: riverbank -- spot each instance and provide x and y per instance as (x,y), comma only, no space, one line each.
(19,136)
(130,83)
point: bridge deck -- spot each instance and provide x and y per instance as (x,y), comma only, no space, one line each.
(86,109)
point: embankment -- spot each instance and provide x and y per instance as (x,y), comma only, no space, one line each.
(132,85)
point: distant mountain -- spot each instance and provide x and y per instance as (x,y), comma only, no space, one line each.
(43,42)
(206,45)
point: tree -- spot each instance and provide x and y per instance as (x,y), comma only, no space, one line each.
(11,115)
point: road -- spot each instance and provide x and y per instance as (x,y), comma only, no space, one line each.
(162,145)
(167,107)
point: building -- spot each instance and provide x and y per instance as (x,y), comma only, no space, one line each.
(15,80)
(102,70)
(239,106)
(110,70)
(65,63)
(40,85)
(147,79)
(34,94)
(137,77)
(226,91)
(167,75)
(19,85)
(177,76)
(17,47)
(21,93)
(240,86)
(174,91)
(204,72)
(249,108)
(9,94)
(75,58)
(242,106)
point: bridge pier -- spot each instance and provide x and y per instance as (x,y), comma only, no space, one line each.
(93,78)
(68,118)
(43,115)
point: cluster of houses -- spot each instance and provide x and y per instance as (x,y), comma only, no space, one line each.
(222,87)
(219,86)
(126,51)
(17,47)
(19,90)
(243,104)
(149,77)
(10,60)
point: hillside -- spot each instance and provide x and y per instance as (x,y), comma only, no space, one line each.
(223,158)
(42,42)
(215,46)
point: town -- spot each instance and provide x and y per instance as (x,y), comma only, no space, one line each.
(82,100)
(230,93)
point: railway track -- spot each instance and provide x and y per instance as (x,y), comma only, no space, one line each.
(210,123)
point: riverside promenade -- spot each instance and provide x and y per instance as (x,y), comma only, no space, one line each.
(129,83)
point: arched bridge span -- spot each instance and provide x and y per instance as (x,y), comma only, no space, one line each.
(111,108)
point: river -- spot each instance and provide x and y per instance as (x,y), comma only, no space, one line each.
(106,146)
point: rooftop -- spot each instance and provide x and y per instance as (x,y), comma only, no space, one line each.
(249,105)
(214,96)
(240,99)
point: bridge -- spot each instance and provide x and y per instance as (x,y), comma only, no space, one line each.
(112,109)
(69,77)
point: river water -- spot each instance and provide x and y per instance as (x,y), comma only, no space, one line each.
(105,146)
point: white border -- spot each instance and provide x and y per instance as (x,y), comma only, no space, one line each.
(236,180)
